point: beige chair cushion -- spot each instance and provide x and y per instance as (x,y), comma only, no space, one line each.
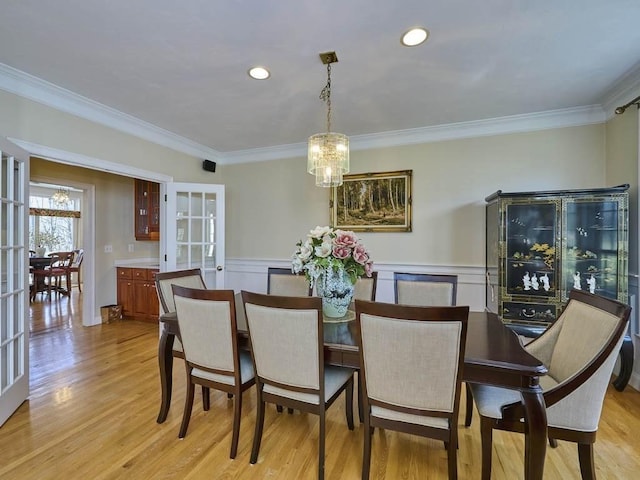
(424,293)
(363,289)
(432,357)
(288,285)
(285,344)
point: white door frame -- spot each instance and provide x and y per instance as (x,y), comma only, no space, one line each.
(90,316)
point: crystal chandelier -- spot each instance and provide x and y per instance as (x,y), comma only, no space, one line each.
(328,156)
(61,197)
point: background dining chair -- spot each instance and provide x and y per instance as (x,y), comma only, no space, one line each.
(191,278)
(282,281)
(287,344)
(411,362)
(425,289)
(78,256)
(579,351)
(365,288)
(47,277)
(209,336)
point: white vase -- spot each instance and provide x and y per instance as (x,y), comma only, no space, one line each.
(40,251)
(336,290)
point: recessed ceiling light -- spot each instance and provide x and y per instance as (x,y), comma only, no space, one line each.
(415,37)
(259,73)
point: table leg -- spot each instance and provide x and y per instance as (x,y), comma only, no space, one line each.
(535,435)
(165,362)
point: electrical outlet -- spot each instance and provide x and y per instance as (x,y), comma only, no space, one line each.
(131,247)
(108,248)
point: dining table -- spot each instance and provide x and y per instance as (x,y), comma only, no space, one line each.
(493,356)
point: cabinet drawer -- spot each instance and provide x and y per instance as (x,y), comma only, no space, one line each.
(124,273)
(141,273)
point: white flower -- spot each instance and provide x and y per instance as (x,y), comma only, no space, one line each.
(296,264)
(306,251)
(323,250)
(319,232)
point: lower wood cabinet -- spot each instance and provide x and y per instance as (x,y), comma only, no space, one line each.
(137,293)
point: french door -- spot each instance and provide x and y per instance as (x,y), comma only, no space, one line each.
(14,282)
(192,233)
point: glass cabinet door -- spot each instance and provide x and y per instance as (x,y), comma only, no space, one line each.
(592,259)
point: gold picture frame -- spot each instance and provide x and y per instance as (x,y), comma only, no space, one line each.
(373,202)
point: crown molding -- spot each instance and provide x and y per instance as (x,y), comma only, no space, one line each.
(568,117)
(625,90)
(33,88)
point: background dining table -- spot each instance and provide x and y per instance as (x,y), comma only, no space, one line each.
(493,355)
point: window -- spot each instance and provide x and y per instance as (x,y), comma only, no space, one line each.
(53,225)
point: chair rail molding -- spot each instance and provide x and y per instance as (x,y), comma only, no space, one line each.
(251,274)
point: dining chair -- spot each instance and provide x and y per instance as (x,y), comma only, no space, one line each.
(213,359)
(579,350)
(411,362)
(365,288)
(191,278)
(282,281)
(287,345)
(78,256)
(425,289)
(46,277)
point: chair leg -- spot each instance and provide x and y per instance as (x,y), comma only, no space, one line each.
(366,453)
(349,403)
(78,278)
(486,434)
(279,408)
(321,435)
(360,401)
(469,408)
(553,443)
(188,406)
(452,454)
(206,400)
(585,455)
(257,436)
(237,412)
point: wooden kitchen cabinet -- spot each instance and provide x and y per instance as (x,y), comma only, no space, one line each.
(137,294)
(147,210)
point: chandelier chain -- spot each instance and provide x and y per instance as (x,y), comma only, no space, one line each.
(325,96)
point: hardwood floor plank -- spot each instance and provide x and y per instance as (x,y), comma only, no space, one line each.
(95,395)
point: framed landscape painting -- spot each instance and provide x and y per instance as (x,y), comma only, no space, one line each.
(373,202)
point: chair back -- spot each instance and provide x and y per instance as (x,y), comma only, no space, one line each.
(77,258)
(411,357)
(283,282)
(580,350)
(61,260)
(287,341)
(422,289)
(365,288)
(185,278)
(208,328)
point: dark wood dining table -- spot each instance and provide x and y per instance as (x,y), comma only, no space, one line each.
(493,355)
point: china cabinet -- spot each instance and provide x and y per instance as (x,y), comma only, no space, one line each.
(540,245)
(147,210)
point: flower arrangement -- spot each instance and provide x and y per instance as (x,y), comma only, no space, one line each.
(327,248)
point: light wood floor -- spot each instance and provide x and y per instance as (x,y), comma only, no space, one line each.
(95,397)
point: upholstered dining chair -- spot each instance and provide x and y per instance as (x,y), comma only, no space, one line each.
(287,343)
(411,362)
(191,278)
(282,281)
(579,350)
(213,359)
(365,288)
(48,277)
(425,289)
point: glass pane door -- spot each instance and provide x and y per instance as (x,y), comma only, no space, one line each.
(195,230)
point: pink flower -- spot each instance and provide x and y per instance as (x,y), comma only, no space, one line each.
(345,239)
(341,252)
(360,254)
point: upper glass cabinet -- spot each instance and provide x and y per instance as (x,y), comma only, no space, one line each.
(540,245)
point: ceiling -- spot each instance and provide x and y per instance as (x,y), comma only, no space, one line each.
(182,65)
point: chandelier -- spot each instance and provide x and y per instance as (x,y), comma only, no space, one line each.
(61,197)
(328,155)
